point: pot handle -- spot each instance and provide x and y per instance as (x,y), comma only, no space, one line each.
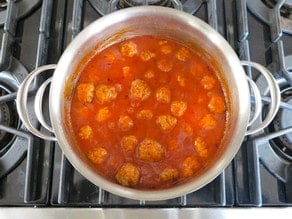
(21,103)
(21,100)
(274,94)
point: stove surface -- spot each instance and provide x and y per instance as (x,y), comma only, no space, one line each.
(35,173)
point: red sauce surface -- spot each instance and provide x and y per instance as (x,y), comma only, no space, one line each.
(148,113)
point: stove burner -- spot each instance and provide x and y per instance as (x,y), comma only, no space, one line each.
(8,117)
(282,144)
(283,119)
(131,3)
(13,142)
(274,145)
(105,6)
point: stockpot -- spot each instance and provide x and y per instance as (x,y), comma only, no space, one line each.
(168,23)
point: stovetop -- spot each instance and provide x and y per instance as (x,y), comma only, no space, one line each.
(35,173)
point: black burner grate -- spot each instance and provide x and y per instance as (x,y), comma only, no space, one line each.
(25,162)
(7,118)
(262,176)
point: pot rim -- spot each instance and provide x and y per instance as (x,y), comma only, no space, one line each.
(56,105)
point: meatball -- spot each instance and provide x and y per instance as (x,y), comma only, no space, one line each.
(208,82)
(126,72)
(97,155)
(189,166)
(144,114)
(147,55)
(85,92)
(181,79)
(129,49)
(201,147)
(129,143)
(103,114)
(178,108)
(163,95)
(118,87)
(166,49)
(149,74)
(217,105)
(187,128)
(168,174)
(125,123)
(131,110)
(139,90)
(166,122)
(85,132)
(208,122)
(110,56)
(164,65)
(162,42)
(183,54)
(150,150)
(105,93)
(111,125)
(128,175)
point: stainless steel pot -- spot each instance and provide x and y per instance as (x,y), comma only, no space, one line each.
(150,20)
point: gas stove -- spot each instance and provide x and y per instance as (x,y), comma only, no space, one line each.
(36,175)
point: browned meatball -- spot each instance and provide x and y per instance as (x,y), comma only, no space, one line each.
(127,72)
(208,82)
(164,65)
(85,132)
(147,55)
(150,150)
(85,92)
(145,114)
(105,93)
(217,105)
(128,175)
(187,128)
(165,49)
(166,122)
(129,143)
(208,122)
(189,166)
(97,155)
(149,74)
(103,114)
(118,87)
(180,78)
(125,123)
(110,56)
(163,95)
(139,90)
(162,42)
(183,54)
(178,108)
(201,147)
(168,174)
(129,49)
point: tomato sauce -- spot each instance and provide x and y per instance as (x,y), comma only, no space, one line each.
(148,112)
